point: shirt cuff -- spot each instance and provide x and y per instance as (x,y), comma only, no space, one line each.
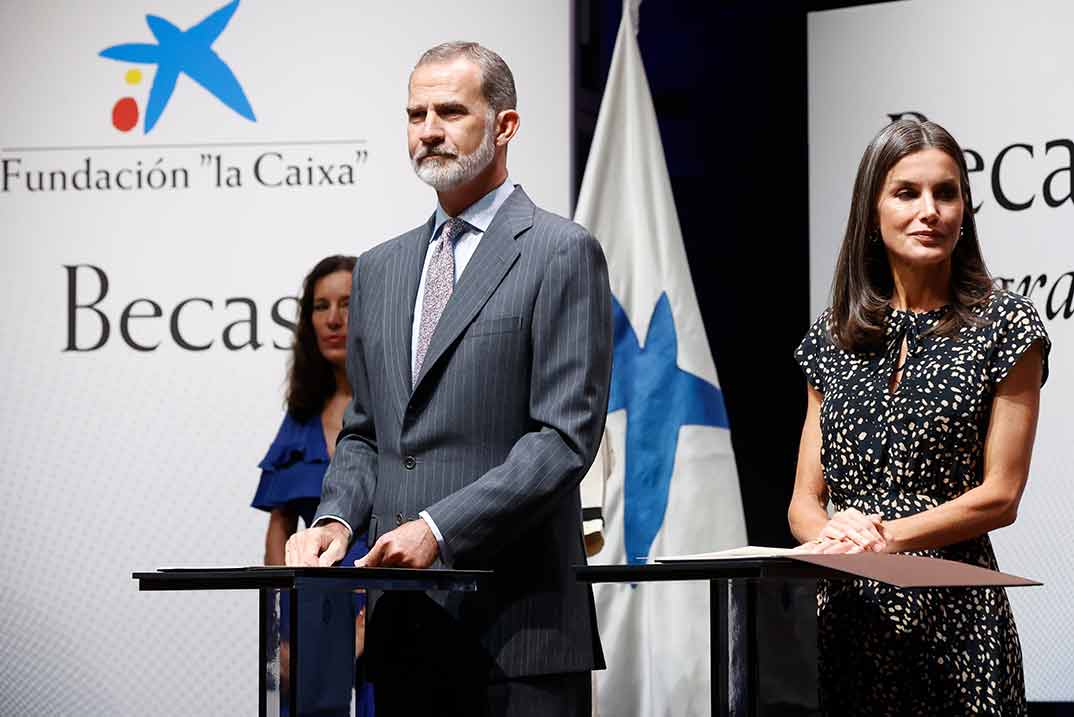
(445,557)
(350,530)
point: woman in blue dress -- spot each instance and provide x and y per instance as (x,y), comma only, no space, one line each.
(317,393)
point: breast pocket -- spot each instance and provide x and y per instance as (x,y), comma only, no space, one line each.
(487,327)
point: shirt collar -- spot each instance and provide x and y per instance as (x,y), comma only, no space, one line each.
(480,214)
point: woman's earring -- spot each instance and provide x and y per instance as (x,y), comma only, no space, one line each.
(875,236)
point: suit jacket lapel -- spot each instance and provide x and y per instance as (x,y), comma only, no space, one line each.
(399,311)
(495,254)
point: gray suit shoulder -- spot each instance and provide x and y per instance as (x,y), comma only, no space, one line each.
(388,247)
(562,234)
(559,226)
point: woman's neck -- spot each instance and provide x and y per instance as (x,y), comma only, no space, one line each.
(918,288)
(343,386)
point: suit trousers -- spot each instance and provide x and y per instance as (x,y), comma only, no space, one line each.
(422,662)
(421,695)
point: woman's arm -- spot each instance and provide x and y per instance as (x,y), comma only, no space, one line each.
(1007,450)
(848,530)
(808,511)
(282,525)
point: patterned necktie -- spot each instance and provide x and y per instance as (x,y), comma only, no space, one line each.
(439,283)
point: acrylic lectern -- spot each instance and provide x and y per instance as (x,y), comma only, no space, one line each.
(303,607)
(733,590)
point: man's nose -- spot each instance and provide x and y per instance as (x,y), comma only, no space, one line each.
(431,130)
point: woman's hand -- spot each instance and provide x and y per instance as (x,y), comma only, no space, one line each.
(864,531)
(826,546)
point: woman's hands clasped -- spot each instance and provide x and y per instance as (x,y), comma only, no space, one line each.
(849,531)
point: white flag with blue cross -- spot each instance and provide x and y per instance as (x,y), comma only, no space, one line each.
(673,487)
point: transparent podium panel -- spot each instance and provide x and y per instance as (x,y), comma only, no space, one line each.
(309,634)
(306,624)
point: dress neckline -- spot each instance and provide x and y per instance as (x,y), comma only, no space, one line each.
(926,316)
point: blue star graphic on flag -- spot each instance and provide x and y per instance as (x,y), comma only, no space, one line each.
(659,398)
(189,52)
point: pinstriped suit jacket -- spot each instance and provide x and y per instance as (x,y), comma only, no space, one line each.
(503,422)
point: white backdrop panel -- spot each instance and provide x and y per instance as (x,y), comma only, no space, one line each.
(995,75)
(114,459)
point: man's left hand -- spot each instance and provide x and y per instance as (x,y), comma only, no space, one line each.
(411,545)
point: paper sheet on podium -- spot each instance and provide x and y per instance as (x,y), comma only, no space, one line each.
(747,551)
(904,571)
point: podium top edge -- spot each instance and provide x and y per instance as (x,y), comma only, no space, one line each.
(902,571)
(334,571)
(329,578)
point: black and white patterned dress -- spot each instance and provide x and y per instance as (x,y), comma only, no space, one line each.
(885,651)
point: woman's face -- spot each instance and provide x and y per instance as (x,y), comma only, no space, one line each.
(920,208)
(331,295)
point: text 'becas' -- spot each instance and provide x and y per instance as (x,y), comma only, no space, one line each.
(193,324)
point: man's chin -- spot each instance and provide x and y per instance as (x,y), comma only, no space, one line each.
(435,160)
(441,181)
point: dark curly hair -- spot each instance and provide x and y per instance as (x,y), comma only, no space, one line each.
(311,380)
(862,286)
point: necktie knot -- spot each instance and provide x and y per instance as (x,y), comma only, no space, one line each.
(453,229)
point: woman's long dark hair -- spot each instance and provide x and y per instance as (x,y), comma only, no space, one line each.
(311,380)
(863,284)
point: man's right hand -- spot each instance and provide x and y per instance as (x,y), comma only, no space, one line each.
(317,547)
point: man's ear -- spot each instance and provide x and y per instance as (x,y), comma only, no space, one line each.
(507,123)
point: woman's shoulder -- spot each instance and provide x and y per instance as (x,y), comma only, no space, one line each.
(296,440)
(821,328)
(294,466)
(815,350)
(1012,327)
(819,336)
(1006,308)
(1005,299)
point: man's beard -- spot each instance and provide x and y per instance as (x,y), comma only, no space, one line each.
(453,170)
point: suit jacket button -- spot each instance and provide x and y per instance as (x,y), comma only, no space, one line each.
(409,463)
(398,518)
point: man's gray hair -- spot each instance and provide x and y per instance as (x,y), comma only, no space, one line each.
(497,82)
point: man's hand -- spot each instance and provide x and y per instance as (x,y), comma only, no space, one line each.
(411,545)
(317,547)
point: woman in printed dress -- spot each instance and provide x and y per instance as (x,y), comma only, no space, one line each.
(923,393)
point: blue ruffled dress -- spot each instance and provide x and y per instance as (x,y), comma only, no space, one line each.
(293,468)
(291,475)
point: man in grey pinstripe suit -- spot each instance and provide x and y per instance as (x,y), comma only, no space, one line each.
(479,352)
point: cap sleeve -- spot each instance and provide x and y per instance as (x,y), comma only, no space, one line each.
(294,466)
(814,352)
(1017,327)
